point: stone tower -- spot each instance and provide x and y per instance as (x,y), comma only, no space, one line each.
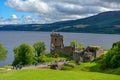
(56,42)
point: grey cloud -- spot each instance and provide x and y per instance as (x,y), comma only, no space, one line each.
(112,1)
(76,9)
(33,6)
(55,10)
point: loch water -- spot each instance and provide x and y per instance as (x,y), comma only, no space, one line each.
(11,39)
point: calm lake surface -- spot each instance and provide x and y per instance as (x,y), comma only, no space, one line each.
(11,39)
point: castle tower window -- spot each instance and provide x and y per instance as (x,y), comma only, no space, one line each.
(55,39)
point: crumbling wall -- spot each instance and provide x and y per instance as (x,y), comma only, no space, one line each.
(56,43)
(68,50)
(87,54)
(77,57)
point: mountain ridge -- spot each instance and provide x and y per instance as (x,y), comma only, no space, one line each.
(106,22)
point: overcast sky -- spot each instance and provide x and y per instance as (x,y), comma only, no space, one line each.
(47,11)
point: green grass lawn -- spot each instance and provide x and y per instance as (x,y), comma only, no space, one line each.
(47,74)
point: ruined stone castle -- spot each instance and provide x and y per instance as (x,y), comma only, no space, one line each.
(87,54)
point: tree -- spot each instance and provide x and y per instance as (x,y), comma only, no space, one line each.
(24,55)
(77,45)
(3,52)
(74,43)
(112,57)
(39,48)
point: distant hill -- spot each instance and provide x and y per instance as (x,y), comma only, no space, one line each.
(106,22)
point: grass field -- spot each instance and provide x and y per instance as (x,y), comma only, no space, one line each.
(47,74)
(85,71)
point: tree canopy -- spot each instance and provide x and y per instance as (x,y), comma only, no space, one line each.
(39,48)
(112,58)
(77,45)
(24,54)
(3,52)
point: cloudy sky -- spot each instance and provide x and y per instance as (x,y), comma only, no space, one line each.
(47,11)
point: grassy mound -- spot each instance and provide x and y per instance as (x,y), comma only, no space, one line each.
(41,74)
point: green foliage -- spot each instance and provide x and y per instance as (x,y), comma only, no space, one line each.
(74,43)
(112,71)
(46,57)
(93,67)
(61,55)
(24,54)
(96,67)
(42,58)
(49,55)
(99,59)
(88,66)
(3,52)
(77,45)
(66,68)
(39,47)
(112,58)
(69,66)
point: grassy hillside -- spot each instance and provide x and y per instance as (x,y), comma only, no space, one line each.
(41,74)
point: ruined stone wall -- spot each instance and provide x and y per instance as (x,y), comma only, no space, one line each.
(56,42)
(99,52)
(57,45)
(96,50)
(87,54)
(58,50)
(77,57)
(68,50)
